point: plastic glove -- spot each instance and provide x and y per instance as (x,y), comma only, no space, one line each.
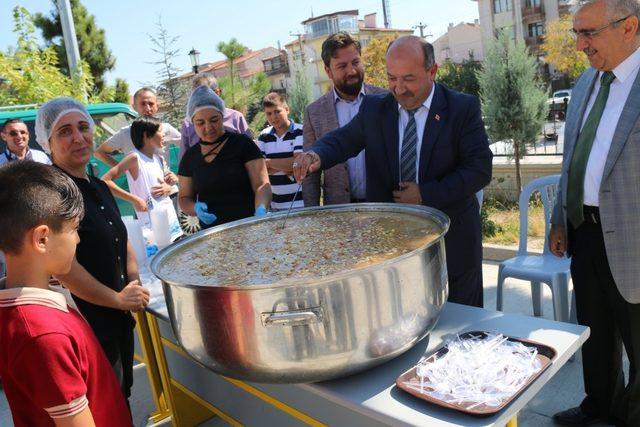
(260,211)
(203,214)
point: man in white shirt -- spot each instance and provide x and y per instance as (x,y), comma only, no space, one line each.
(145,103)
(16,135)
(595,219)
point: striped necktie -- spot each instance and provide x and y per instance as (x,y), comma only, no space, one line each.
(578,166)
(408,153)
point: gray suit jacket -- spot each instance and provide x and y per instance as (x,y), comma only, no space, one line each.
(320,118)
(620,188)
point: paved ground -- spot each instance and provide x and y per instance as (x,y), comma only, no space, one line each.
(563,391)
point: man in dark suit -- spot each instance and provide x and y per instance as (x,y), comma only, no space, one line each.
(345,182)
(425,144)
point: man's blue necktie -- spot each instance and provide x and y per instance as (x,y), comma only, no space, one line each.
(408,153)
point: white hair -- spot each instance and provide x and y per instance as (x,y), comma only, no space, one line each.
(616,9)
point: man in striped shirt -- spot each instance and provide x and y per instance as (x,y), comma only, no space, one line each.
(278,143)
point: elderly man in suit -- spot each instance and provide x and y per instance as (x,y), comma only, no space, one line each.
(425,144)
(343,183)
(596,217)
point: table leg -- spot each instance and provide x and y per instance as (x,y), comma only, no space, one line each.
(151,365)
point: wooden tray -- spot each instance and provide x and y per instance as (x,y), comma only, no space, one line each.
(545,355)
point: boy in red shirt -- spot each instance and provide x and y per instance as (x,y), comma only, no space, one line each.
(53,368)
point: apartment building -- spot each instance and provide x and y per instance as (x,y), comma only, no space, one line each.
(525,18)
(459,43)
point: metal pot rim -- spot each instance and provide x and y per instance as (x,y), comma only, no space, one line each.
(424,211)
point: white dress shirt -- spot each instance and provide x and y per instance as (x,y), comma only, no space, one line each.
(346,111)
(421,121)
(619,90)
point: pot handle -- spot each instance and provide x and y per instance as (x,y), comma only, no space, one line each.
(304,316)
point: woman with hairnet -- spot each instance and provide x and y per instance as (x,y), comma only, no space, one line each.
(224,177)
(104,276)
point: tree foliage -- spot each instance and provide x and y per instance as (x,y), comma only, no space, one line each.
(92,43)
(461,77)
(171,91)
(247,97)
(373,57)
(30,74)
(232,50)
(121,92)
(299,94)
(559,48)
(514,100)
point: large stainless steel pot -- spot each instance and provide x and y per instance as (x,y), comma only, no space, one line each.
(316,329)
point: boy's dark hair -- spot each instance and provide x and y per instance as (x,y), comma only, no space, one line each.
(33,194)
(273,99)
(141,127)
(9,121)
(337,41)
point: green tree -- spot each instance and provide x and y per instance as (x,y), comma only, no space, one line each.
(299,94)
(374,59)
(91,41)
(461,77)
(559,48)
(30,74)
(170,90)
(232,50)
(121,91)
(514,100)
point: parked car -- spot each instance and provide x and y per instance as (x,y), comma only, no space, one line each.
(109,118)
(558,103)
(559,97)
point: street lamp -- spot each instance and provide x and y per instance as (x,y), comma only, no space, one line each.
(194,55)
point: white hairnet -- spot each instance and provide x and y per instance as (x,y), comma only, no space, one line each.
(203,97)
(50,112)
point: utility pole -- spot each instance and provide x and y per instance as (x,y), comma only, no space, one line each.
(299,35)
(69,36)
(421,26)
(386,12)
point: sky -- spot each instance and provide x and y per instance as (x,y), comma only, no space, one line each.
(204,23)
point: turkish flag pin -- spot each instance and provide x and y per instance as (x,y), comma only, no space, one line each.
(437,117)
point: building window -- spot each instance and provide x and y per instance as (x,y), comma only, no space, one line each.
(331,25)
(536,29)
(500,6)
(348,23)
(317,28)
(532,3)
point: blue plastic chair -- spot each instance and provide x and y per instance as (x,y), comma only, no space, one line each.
(538,269)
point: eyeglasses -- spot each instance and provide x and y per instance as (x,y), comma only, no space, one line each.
(589,34)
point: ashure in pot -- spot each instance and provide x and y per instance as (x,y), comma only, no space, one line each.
(342,288)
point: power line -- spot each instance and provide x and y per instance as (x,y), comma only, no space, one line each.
(422,27)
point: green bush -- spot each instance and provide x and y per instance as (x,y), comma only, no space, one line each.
(489,227)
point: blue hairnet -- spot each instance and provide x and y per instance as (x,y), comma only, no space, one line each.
(203,97)
(50,112)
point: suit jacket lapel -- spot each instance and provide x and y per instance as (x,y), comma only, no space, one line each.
(390,137)
(581,99)
(435,120)
(627,121)
(329,107)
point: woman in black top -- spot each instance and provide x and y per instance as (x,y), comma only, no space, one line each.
(223,178)
(104,276)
